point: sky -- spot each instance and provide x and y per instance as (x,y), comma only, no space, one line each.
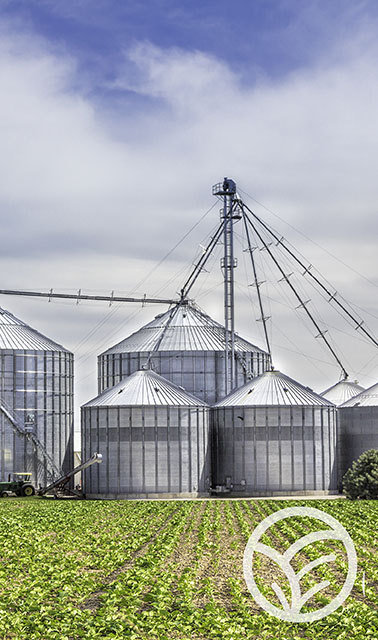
(118,117)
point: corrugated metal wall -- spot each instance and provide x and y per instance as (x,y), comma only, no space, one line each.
(358,428)
(201,373)
(38,384)
(146,451)
(269,450)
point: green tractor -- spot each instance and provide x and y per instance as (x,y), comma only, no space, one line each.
(18,483)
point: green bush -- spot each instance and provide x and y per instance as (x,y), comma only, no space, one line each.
(361,480)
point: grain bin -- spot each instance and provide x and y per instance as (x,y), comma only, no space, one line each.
(154,438)
(36,388)
(342,391)
(358,426)
(274,436)
(189,350)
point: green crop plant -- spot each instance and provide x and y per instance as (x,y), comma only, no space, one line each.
(167,570)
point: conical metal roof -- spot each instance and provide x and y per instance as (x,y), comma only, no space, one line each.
(273,388)
(367,398)
(145,388)
(16,334)
(342,391)
(189,330)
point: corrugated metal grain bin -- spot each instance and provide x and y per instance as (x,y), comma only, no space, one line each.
(358,426)
(274,436)
(154,438)
(189,352)
(342,391)
(36,387)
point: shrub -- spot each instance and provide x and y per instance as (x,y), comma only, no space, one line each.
(361,480)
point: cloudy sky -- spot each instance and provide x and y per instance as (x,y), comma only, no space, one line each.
(117,118)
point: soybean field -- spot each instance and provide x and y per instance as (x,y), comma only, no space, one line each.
(173,570)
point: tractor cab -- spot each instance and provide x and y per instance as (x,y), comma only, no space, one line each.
(18,483)
(23,476)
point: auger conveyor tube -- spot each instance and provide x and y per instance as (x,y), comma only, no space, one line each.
(60,482)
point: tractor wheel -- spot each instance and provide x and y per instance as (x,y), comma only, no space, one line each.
(28,490)
(4,494)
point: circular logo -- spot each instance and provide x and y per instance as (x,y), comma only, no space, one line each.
(292,611)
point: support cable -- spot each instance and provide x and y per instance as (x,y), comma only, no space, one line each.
(196,224)
(302,303)
(198,267)
(307,271)
(316,244)
(257,285)
(202,261)
(156,346)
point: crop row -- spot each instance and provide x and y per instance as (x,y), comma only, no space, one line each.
(169,570)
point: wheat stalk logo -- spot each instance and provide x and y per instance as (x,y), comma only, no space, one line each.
(292,611)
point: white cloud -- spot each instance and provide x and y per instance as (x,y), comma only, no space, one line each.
(191,82)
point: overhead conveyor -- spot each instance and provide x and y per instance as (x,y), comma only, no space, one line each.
(82,296)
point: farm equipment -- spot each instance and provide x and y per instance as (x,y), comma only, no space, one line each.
(60,484)
(18,483)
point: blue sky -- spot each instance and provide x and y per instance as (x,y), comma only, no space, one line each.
(275,36)
(118,116)
(271,38)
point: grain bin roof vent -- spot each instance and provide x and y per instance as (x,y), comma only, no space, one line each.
(145,388)
(342,392)
(273,388)
(16,334)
